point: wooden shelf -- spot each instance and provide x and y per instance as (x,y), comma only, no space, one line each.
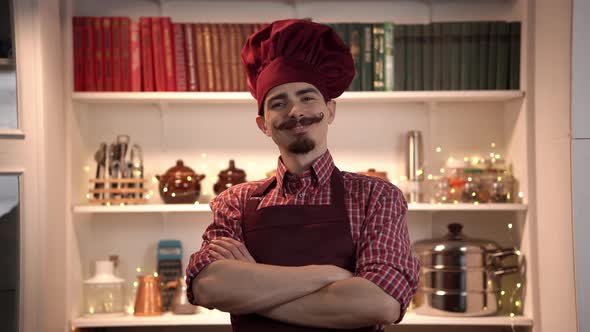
(6,62)
(347,97)
(215,317)
(158,208)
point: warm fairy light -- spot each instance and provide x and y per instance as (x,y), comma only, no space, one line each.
(121,204)
(148,196)
(86,169)
(469,179)
(518,252)
(511,315)
(438,149)
(155,274)
(473,194)
(419,172)
(465,158)
(429,176)
(137,164)
(189,178)
(517,303)
(137,173)
(518,285)
(440,292)
(173,195)
(444,198)
(203,155)
(165,189)
(88,196)
(508,196)
(493,145)
(108,203)
(509,226)
(196,202)
(135,284)
(521,194)
(442,170)
(451,159)
(439,247)
(493,160)
(205,193)
(91,310)
(476,203)
(403,178)
(151,192)
(453,190)
(502,293)
(138,269)
(439,203)
(130,310)
(492,154)
(455,202)
(497,156)
(154,180)
(499,178)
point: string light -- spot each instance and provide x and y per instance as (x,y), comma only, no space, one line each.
(509,226)
(203,155)
(87,169)
(438,149)
(138,269)
(493,145)
(442,170)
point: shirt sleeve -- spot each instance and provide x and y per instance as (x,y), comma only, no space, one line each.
(384,254)
(226,223)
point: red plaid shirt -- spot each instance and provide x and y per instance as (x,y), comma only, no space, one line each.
(376,212)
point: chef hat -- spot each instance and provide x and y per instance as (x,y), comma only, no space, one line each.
(292,50)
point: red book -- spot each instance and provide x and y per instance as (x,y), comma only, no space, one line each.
(146,54)
(216,61)
(135,51)
(117,60)
(107,53)
(209,71)
(179,57)
(191,61)
(158,54)
(98,55)
(200,57)
(78,25)
(89,78)
(169,54)
(225,57)
(125,54)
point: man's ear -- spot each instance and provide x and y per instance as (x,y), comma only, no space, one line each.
(262,125)
(331,105)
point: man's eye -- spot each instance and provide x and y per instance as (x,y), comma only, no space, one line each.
(307,98)
(277,105)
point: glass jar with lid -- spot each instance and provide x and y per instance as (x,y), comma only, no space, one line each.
(104,292)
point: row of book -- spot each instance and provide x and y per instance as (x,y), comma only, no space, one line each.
(155,54)
(436,56)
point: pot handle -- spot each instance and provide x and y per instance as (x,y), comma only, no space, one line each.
(502,253)
(506,270)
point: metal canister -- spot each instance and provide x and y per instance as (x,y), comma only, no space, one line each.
(414,168)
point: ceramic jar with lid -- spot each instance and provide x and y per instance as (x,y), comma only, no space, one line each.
(180,184)
(103,292)
(229,177)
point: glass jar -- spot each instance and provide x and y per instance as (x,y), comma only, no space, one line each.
(470,191)
(104,292)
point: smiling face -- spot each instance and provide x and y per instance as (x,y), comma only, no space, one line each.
(296,117)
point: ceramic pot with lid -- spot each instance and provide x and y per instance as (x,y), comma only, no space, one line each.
(372,172)
(229,177)
(180,184)
(459,275)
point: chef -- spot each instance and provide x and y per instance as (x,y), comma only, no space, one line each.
(312,248)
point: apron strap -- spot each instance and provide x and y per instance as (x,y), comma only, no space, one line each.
(338,193)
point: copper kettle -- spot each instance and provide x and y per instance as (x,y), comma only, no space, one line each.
(180,184)
(148,301)
(229,177)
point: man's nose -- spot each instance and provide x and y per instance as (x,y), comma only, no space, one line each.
(296,110)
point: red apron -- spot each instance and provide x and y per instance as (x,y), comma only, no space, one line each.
(296,235)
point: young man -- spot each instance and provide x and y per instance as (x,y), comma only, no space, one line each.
(314,248)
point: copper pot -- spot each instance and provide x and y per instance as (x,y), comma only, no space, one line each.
(180,184)
(148,301)
(229,177)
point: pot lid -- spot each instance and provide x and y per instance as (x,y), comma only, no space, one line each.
(179,170)
(454,242)
(104,274)
(232,173)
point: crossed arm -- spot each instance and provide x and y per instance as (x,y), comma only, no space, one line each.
(313,295)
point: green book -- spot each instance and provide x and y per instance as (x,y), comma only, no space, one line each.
(474,63)
(378,57)
(455,56)
(484,54)
(437,56)
(427,57)
(493,56)
(367,58)
(355,31)
(503,56)
(399,57)
(465,56)
(446,56)
(515,55)
(388,56)
(418,57)
(410,56)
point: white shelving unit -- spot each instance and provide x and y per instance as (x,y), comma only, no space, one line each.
(204,208)
(221,318)
(347,97)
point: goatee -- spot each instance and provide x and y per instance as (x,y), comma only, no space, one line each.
(302,145)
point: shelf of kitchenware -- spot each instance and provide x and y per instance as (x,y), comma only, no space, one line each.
(6,61)
(156,208)
(215,317)
(349,96)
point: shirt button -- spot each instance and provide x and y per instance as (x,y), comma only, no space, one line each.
(301,195)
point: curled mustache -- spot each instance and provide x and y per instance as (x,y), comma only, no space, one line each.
(304,121)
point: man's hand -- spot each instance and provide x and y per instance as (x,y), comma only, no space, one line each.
(228,248)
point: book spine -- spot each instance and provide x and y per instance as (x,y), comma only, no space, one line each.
(355,32)
(427,57)
(191,61)
(125,54)
(98,55)
(456,56)
(465,56)
(399,57)
(107,35)
(437,56)
(515,28)
(378,57)
(169,55)
(224,43)
(209,70)
(503,56)
(235,56)
(411,41)
(475,55)
(116,41)
(146,54)
(493,56)
(89,63)
(158,54)
(135,56)
(388,56)
(244,33)
(78,33)
(200,57)
(446,55)
(179,57)
(419,57)
(484,54)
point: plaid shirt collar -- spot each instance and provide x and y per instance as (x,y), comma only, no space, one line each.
(320,172)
